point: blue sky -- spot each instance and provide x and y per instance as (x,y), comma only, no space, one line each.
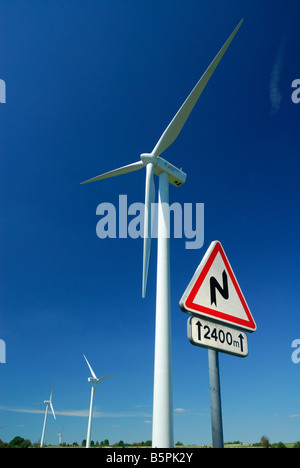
(89,87)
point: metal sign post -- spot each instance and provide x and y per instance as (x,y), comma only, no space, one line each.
(215,399)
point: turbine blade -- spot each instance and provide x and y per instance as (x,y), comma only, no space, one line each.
(51,393)
(52,409)
(175,126)
(102,378)
(116,172)
(149,199)
(91,370)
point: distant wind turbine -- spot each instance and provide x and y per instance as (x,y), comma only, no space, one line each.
(47,403)
(94,381)
(60,436)
(162,429)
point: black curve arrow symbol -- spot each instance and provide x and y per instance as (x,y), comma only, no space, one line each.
(223,290)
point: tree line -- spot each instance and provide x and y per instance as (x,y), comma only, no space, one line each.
(20,442)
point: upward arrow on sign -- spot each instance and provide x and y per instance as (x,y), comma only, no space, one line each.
(215,293)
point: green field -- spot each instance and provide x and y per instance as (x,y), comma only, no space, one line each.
(19,442)
(183,447)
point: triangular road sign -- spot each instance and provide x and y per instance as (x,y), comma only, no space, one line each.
(215,294)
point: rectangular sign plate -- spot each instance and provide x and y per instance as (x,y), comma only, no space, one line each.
(207,334)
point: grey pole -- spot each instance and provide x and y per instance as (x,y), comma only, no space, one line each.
(215,399)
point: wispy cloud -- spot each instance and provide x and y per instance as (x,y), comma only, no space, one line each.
(83,413)
(275,94)
(79,413)
(21,410)
(179,410)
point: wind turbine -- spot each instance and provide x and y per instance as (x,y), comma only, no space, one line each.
(60,436)
(47,403)
(162,429)
(94,381)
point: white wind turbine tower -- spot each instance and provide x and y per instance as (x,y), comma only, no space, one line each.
(47,403)
(162,429)
(94,381)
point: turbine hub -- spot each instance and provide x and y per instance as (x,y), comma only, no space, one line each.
(148,158)
(91,379)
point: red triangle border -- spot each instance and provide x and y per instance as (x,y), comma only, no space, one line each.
(217,315)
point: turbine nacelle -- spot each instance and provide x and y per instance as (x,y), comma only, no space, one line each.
(175,176)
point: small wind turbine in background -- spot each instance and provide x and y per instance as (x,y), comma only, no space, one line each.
(94,381)
(47,403)
(60,436)
(162,429)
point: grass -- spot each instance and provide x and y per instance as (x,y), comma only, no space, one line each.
(183,447)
